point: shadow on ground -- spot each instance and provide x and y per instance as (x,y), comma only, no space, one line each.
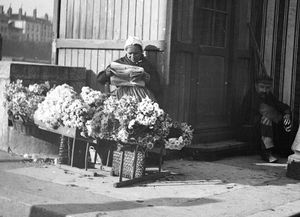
(68,209)
(245,170)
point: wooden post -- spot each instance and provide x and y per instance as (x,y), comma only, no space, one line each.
(121,166)
(56,20)
(135,160)
(1,46)
(86,155)
(73,150)
(160,158)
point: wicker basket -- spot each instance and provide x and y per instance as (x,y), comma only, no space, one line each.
(128,164)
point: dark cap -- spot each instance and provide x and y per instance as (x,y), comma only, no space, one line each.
(265,79)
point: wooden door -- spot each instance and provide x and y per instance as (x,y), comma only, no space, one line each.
(210,74)
(207,46)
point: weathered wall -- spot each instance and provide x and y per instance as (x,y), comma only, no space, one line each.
(4,79)
(44,143)
(92,33)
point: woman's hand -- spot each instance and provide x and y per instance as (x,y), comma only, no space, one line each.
(146,77)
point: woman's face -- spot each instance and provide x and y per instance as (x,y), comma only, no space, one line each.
(134,53)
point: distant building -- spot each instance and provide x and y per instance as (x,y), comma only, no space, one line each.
(3,23)
(25,28)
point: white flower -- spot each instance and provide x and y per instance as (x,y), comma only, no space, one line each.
(131,124)
(123,135)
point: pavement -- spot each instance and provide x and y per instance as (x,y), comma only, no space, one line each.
(242,186)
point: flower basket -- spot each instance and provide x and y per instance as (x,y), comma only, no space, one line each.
(128,162)
(24,128)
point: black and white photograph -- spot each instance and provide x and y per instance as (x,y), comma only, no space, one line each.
(163,108)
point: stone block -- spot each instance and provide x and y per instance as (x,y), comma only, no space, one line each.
(293,166)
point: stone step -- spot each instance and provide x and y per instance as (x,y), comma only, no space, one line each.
(217,150)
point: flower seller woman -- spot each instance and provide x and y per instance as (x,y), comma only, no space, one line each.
(131,74)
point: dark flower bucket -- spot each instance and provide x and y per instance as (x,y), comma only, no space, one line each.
(24,128)
(174,133)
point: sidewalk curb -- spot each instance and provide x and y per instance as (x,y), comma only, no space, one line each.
(12,208)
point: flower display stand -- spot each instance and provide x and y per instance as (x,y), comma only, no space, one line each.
(129,162)
(69,133)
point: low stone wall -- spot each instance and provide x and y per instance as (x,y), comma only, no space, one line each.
(45,143)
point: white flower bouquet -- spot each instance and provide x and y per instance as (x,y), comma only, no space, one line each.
(64,107)
(180,135)
(52,111)
(150,125)
(104,124)
(129,121)
(22,102)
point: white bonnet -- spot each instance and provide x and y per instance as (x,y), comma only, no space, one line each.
(132,40)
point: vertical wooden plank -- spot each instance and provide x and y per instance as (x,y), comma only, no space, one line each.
(180,87)
(179,20)
(187,85)
(276,45)
(70,20)
(187,21)
(154,20)
(103,19)
(122,53)
(160,66)
(283,48)
(56,18)
(87,59)
(184,20)
(61,57)
(244,13)
(190,21)
(74,57)
(132,14)
(147,20)
(263,27)
(175,99)
(167,54)
(268,46)
(94,68)
(124,19)
(94,60)
(96,20)
(83,16)
(108,57)
(295,77)
(55,29)
(119,54)
(288,70)
(110,19)
(117,22)
(115,55)
(68,57)
(162,20)
(89,19)
(63,19)
(101,60)
(76,28)
(80,58)
(139,18)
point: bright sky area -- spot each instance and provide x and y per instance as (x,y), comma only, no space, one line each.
(42,6)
